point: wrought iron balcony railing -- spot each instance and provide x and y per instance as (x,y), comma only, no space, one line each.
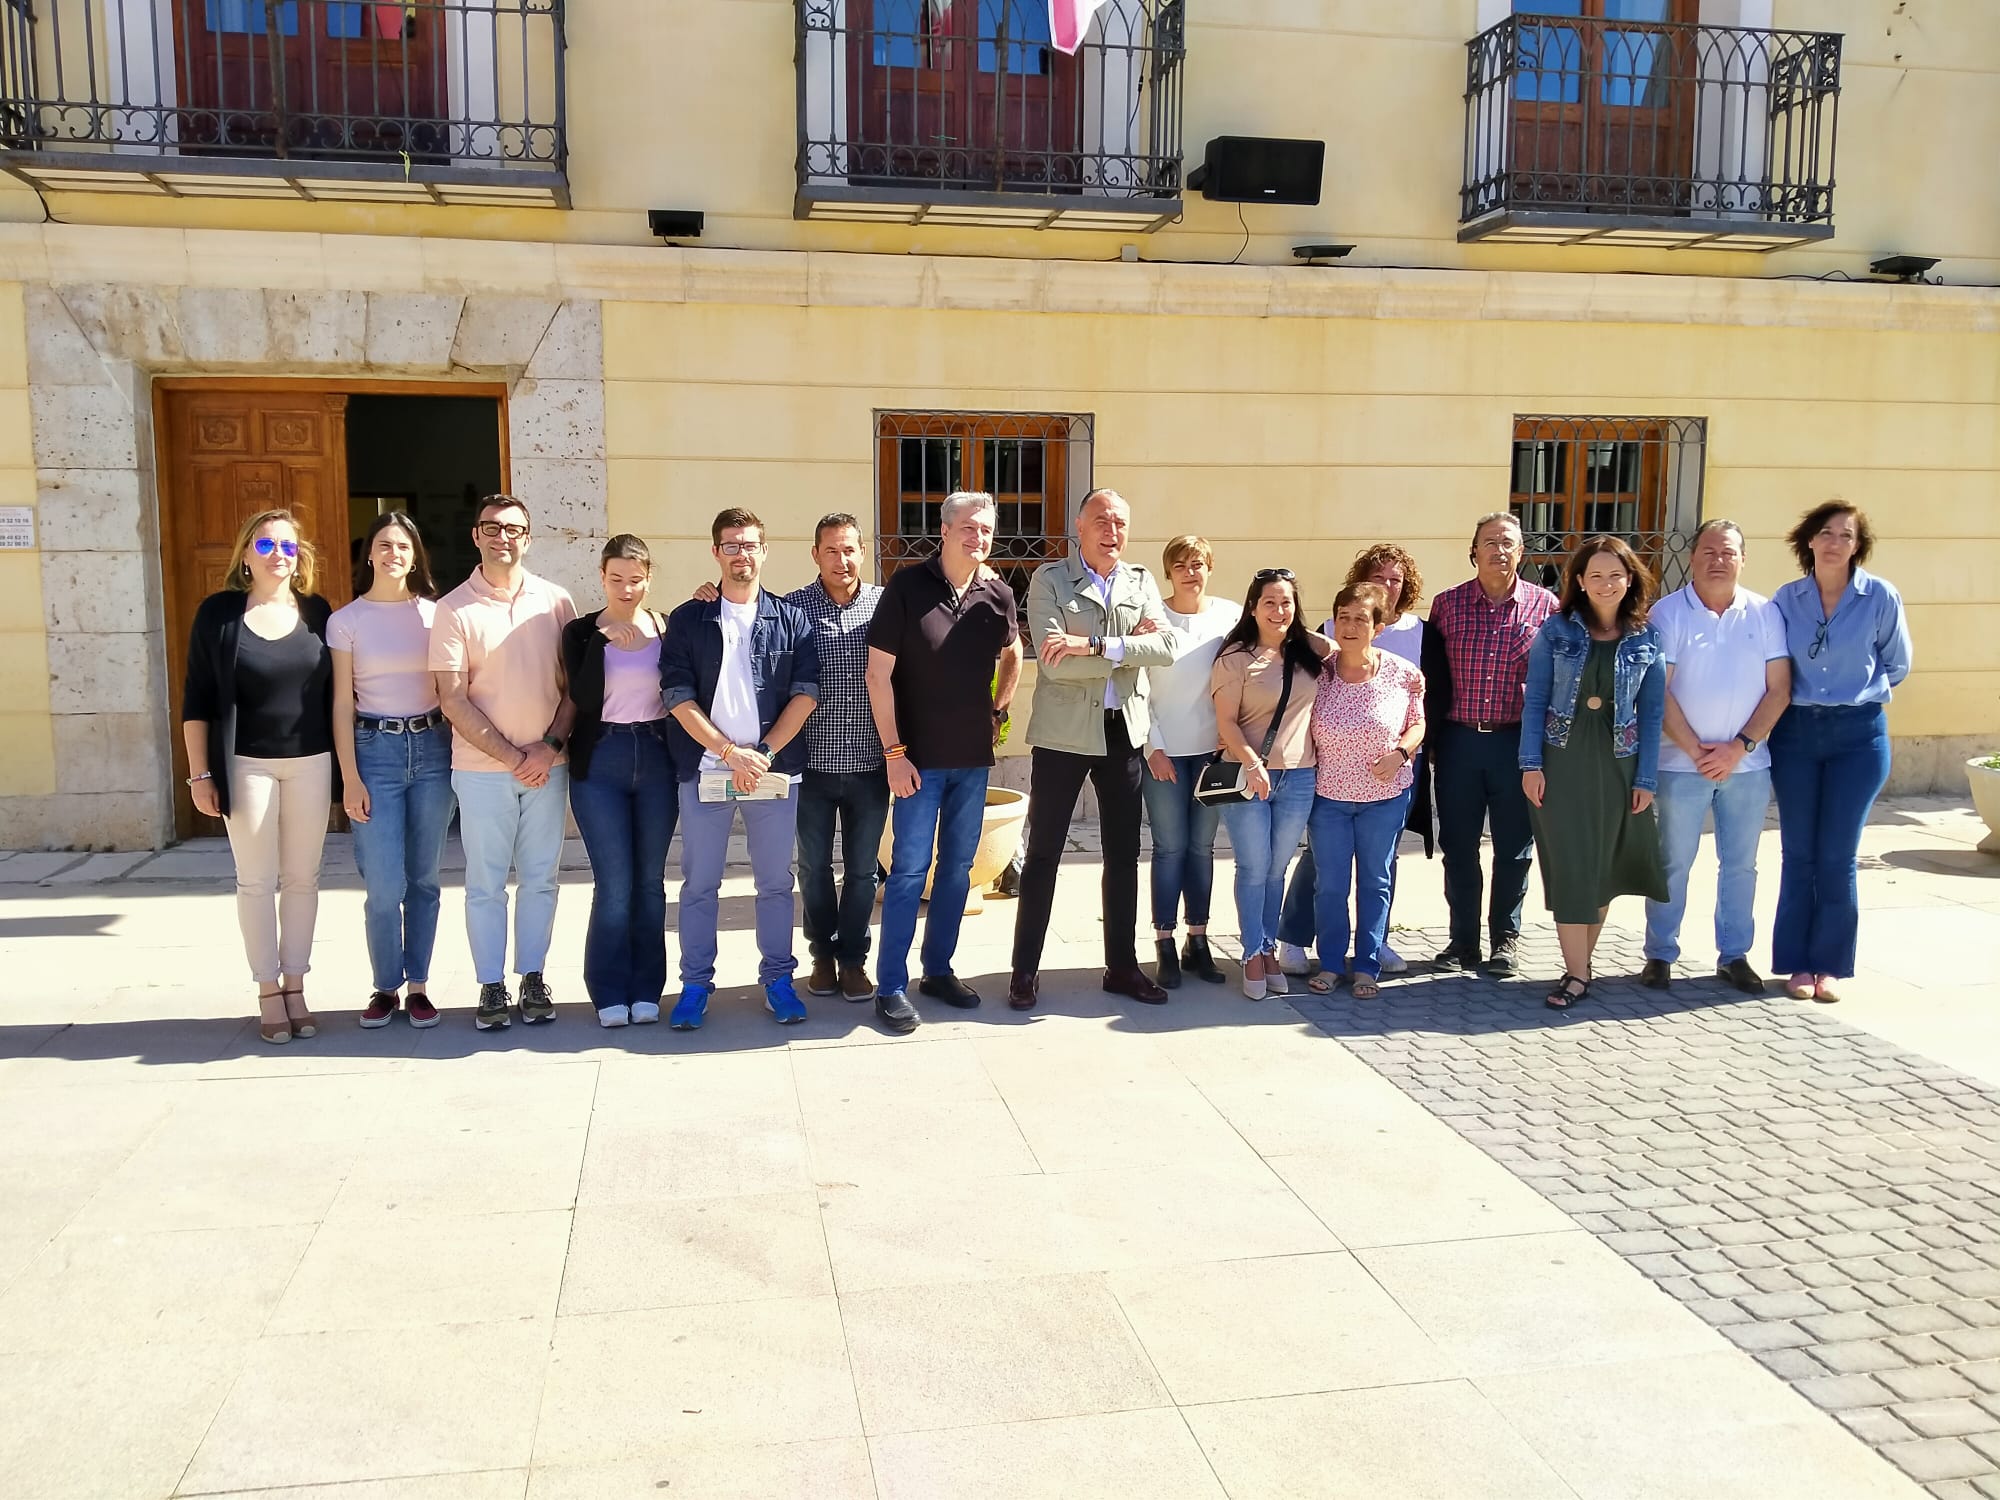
(420,100)
(1648,133)
(965,112)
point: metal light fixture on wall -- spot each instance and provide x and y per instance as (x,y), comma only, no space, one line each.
(1902,267)
(675,223)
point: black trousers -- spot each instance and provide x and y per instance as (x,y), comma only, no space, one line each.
(1055,780)
(1479,779)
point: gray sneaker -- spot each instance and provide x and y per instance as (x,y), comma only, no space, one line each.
(537,1004)
(492,1013)
(1502,963)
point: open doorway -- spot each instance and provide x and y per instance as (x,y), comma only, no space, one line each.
(431,457)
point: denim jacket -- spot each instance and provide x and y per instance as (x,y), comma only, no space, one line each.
(784,662)
(1638,697)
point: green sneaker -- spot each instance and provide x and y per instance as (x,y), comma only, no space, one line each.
(537,1004)
(492,1013)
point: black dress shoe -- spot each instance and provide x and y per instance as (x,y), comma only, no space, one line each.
(1458,956)
(1022,991)
(1167,971)
(1738,973)
(896,1012)
(1198,961)
(1657,974)
(1134,984)
(950,989)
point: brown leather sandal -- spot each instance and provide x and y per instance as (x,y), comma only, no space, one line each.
(277,1032)
(302,1021)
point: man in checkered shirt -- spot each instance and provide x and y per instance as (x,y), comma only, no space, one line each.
(1485,626)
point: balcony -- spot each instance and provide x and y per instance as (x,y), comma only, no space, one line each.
(417,101)
(965,112)
(1668,135)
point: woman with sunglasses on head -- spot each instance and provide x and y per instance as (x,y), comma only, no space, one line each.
(1850,645)
(394,749)
(1262,685)
(1592,711)
(256,713)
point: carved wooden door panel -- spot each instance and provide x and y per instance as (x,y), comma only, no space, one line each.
(225,455)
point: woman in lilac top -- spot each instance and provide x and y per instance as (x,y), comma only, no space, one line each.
(622,787)
(395,761)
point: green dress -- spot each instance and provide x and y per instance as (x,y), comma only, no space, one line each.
(1587,841)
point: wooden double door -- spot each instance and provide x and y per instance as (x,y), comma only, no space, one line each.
(226,454)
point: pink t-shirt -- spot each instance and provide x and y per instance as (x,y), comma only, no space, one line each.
(390,645)
(1355,723)
(510,649)
(632,685)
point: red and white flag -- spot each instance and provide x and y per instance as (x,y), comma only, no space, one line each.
(1069,20)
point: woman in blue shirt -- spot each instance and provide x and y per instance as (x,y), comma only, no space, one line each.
(1850,644)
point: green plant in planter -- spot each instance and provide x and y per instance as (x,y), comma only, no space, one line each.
(1991,763)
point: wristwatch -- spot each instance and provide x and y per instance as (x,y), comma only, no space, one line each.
(1749,745)
(554,742)
(764,750)
(1097,645)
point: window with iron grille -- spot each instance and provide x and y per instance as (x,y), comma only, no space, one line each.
(1638,478)
(1035,465)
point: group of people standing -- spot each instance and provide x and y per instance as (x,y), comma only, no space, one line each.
(1601,727)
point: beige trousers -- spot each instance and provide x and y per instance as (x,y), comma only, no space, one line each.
(277,831)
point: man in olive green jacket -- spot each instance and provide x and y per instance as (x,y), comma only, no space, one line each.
(1097,623)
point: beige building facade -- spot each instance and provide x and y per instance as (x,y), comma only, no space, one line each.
(933,256)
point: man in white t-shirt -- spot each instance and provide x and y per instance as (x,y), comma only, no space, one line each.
(1729,677)
(740,676)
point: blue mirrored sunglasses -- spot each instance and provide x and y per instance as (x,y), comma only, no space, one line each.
(265,544)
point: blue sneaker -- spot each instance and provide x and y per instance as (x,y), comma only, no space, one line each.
(782,1001)
(691,1007)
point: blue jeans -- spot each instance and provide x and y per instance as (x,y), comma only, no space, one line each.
(1355,843)
(837,924)
(1298,920)
(1183,844)
(399,848)
(1264,836)
(505,825)
(771,831)
(947,808)
(1684,801)
(626,809)
(1827,767)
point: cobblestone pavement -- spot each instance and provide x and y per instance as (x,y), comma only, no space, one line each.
(1828,1201)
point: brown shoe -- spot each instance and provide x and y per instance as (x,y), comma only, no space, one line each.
(1021,991)
(854,983)
(1134,983)
(822,981)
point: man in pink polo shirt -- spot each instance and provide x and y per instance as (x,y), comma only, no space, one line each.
(496,649)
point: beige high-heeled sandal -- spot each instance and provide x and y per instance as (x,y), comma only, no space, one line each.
(277,1032)
(304,1024)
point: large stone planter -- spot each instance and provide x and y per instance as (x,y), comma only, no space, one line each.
(1000,829)
(1986,798)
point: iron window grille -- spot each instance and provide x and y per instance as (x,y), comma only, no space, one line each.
(430,100)
(965,112)
(1649,133)
(1638,478)
(1035,465)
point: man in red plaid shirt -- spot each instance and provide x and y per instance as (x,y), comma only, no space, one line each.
(1485,626)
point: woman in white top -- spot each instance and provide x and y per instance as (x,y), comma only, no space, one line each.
(395,761)
(1403,635)
(1183,737)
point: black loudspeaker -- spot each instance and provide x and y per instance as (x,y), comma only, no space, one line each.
(1259,169)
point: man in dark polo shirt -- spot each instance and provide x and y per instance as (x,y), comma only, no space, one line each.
(940,631)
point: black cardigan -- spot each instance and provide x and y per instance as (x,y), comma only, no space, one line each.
(583,648)
(209,694)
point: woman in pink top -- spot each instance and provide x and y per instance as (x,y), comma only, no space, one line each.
(395,761)
(1367,722)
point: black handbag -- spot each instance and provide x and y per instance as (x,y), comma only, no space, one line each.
(1224,781)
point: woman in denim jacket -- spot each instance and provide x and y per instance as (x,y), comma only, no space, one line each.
(1590,751)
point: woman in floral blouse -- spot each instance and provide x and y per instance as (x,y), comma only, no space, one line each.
(1367,722)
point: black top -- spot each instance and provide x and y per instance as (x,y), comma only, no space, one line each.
(283,695)
(945,651)
(209,695)
(583,647)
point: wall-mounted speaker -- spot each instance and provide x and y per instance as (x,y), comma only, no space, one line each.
(1259,169)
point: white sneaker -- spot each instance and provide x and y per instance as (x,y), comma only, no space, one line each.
(1392,962)
(645,1012)
(1292,959)
(617,1015)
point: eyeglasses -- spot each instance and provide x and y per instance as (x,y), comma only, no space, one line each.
(1819,641)
(498,529)
(739,549)
(266,545)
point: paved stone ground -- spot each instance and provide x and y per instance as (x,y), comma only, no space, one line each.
(1828,1201)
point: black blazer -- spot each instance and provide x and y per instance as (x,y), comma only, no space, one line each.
(209,694)
(583,649)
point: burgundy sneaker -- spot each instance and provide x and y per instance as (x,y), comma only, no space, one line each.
(420,1011)
(382,1006)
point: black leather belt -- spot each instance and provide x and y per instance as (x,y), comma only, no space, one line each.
(414,725)
(1486,726)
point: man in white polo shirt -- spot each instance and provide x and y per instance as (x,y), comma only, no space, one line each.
(1729,677)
